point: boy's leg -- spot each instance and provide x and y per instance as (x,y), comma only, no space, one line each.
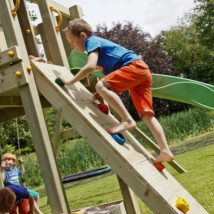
(23,206)
(158,133)
(115,102)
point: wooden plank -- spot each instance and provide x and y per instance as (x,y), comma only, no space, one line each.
(3,44)
(45,42)
(10,113)
(54,39)
(27,30)
(6,102)
(56,140)
(156,148)
(12,30)
(130,201)
(9,80)
(110,151)
(56,193)
(14,112)
(76,12)
(10,56)
(154,194)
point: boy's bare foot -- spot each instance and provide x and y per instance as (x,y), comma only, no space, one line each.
(165,156)
(124,125)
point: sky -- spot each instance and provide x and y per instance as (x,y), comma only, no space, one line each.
(152,16)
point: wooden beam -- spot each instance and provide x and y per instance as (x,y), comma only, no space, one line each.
(53,36)
(12,30)
(10,113)
(68,133)
(12,77)
(45,42)
(76,12)
(10,56)
(156,148)
(6,102)
(3,44)
(129,199)
(27,30)
(57,132)
(42,144)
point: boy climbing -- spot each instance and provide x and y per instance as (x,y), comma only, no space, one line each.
(123,70)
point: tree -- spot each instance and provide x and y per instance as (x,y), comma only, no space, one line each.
(191,58)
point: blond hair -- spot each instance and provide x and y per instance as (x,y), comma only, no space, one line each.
(8,156)
(7,200)
(76,26)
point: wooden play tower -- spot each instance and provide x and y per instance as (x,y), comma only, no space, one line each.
(26,87)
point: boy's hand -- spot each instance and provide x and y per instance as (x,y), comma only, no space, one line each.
(20,161)
(65,79)
(3,165)
(36,59)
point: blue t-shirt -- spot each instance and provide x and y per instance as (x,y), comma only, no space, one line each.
(111,56)
(20,192)
(12,176)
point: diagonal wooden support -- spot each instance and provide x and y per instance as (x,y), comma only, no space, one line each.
(42,144)
(130,201)
(155,147)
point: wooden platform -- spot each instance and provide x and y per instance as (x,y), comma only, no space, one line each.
(131,162)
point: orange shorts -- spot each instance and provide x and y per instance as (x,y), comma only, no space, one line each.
(137,78)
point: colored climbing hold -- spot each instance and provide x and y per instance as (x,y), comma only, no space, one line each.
(59,82)
(118,138)
(159,166)
(182,205)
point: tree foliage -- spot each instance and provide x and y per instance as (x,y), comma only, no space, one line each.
(190,44)
(204,22)
(134,38)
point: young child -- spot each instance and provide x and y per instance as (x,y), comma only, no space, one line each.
(123,70)
(13,195)
(10,176)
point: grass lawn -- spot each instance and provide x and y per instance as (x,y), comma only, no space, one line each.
(198,180)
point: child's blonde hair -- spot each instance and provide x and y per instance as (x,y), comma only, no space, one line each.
(8,156)
(7,200)
(76,26)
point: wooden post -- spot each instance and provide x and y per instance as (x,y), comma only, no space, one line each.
(130,201)
(27,31)
(53,36)
(57,132)
(42,144)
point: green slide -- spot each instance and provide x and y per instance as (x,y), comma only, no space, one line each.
(183,90)
(164,86)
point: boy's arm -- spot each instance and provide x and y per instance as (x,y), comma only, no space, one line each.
(31,204)
(2,171)
(84,72)
(21,165)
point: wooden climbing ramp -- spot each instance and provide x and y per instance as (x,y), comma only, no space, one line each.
(131,161)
